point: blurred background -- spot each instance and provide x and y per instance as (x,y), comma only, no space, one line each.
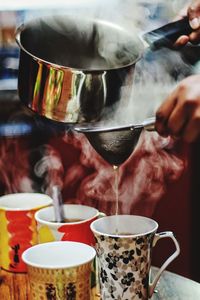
(37,153)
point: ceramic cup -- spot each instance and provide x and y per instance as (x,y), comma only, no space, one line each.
(59,270)
(124,246)
(18,229)
(76,228)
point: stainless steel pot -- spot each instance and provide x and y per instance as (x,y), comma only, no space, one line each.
(74,69)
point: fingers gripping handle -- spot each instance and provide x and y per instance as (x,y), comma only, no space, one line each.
(166,35)
(158,236)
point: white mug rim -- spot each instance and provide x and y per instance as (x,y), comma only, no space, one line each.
(44,200)
(97,232)
(27,252)
(56,224)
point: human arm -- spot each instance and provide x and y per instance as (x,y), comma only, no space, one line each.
(179,114)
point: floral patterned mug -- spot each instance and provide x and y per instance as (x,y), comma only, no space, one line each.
(124,249)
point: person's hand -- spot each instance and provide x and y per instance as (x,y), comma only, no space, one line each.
(179,114)
(193,13)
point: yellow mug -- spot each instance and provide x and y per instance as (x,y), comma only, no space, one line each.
(18,229)
(60,270)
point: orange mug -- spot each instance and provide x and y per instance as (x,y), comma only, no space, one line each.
(18,229)
(75,228)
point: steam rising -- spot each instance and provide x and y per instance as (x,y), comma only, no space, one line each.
(108,35)
(103,35)
(155,163)
(85,43)
(155,77)
(143,180)
(50,168)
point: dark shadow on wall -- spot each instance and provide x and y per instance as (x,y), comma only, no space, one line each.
(195,190)
(175,213)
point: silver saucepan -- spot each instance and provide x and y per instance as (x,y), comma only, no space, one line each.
(73,69)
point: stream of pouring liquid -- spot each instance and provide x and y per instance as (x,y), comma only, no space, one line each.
(115,148)
(116,189)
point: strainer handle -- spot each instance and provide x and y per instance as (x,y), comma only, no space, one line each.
(149,124)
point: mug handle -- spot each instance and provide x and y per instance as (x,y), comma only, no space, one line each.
(101,215)
(158,236)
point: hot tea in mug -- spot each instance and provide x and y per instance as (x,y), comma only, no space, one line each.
(124,245)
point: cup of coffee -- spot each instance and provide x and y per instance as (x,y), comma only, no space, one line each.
(76,225)
(59,270)
(18,230)
(124,245)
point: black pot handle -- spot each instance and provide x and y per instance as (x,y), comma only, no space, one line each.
(166,35)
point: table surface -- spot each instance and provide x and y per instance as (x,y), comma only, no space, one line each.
(170,287)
